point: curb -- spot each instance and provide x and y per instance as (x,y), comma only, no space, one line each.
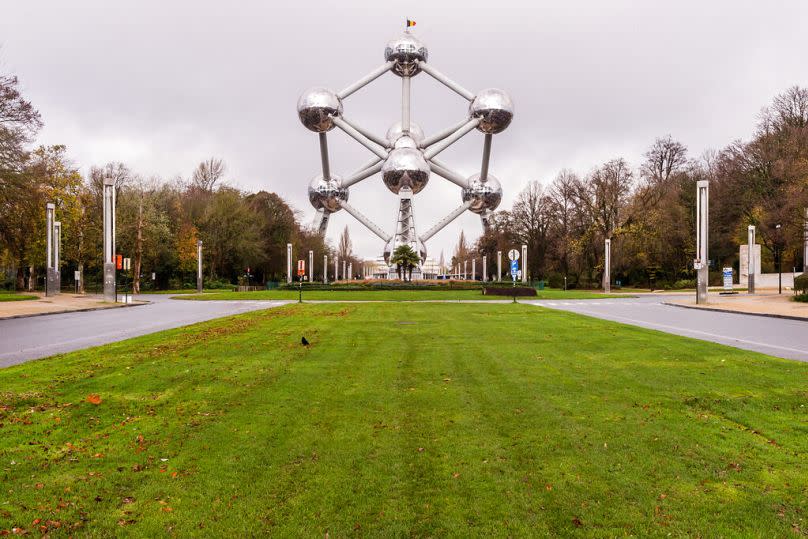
(122,306)
(765,315)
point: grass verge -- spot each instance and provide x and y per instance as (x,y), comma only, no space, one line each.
(11,296)
(412,420)
(391,295)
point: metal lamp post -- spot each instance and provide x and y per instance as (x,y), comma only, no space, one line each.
(778,255)
(700,264)
(199,266)
(110,292)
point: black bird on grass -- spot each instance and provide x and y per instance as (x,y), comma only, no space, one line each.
(304,342)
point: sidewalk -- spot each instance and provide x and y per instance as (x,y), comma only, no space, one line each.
(767,303)
(61,303)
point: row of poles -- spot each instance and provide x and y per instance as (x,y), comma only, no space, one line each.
(347,267)
(53,242)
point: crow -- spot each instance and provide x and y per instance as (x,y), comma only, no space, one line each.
(304,342)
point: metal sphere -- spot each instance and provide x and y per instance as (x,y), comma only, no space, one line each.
(395,132)
(494,108)
(484,195)
(405,51)
(405,167)
(327,194)
(316,108)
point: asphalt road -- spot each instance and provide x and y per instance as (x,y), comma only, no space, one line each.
(774,336)
(23,339)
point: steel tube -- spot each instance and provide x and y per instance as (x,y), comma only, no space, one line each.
(440,135)
(359,137)
(365,221)
(324,156)
(443,79)
(445,221)
(375,138)
(360,175)
(435,149)
(367,79)
(441,170)
(486,157)
(405,104)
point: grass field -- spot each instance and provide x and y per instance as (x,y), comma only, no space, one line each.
(12,296)
(415,420)
(392,295)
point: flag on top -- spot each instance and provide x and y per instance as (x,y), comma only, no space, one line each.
(410,23)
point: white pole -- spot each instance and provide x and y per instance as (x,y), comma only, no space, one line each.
(702,251)
(750,259)
(325,269)
(524,263)
(311,266)
(288,262)
(499,265)
(473,269)
(199,266)
(607,266)
(336,268)
(485,268)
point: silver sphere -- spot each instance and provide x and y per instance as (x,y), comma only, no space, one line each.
(484,195)
(405,167)
(316,108)
(405,51)
(327,194)
(494,108)
(395,132)
(405,142)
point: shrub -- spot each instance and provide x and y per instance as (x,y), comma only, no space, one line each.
(803,298)
(801,283)
(509,291)
(383,284)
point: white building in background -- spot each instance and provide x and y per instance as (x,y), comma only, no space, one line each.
(377,268)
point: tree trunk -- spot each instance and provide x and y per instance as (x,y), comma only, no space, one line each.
(20,285)
(31,278)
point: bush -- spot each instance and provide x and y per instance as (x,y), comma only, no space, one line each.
(682,283)
(803,298)
(509,291)
(555,280)
(801,284)
(383,284)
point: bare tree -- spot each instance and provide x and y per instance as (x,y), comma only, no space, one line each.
(207,173)
(345,248)
(531,217)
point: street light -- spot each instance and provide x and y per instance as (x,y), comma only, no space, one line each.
(779,256)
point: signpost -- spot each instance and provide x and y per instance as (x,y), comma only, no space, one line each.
(727,273)
(301,272)
(514,256)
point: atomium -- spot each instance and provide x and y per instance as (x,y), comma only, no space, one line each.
(405,156)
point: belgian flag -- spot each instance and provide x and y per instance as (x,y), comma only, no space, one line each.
(410,23)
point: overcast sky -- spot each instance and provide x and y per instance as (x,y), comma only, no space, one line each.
(162,85)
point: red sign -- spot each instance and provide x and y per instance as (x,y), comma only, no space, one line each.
(301,267)
(118,261)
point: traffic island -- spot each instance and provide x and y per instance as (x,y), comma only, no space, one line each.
(63,303)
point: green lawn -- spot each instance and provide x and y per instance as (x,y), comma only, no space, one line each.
(417,419)
(12,296)
(392,295)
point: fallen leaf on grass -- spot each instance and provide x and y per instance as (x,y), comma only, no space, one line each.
(166,509)
(456,475)
(577,522)
(93,398)
(40,486)
(548,487)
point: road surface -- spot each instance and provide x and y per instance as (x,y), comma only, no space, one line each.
(23,339)
(774,336)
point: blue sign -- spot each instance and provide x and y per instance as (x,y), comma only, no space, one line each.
(514,267)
